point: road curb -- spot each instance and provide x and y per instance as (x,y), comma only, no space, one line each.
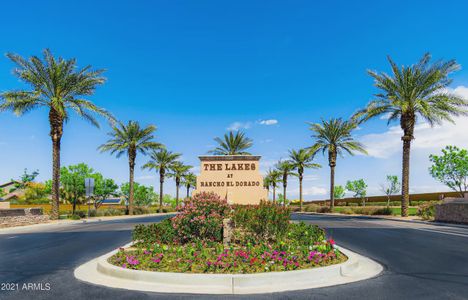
(447,224)
(15,229)
(99,271)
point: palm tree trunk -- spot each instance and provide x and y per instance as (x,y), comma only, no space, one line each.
(274,194)
(131,187)
(405,176)
(161,183)
(177,193)
(332,187)
(188,191)
(56,135)
(300,191)
(284,193)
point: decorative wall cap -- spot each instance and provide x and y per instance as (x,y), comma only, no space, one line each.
(229,157)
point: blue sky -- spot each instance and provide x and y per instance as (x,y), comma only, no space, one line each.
(196,68)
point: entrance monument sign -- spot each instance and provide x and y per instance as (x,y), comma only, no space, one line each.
(234,177)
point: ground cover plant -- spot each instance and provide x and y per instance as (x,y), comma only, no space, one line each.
(262,239)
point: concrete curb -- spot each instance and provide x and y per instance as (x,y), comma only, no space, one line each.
(446,224)
(99,271)
(15,229)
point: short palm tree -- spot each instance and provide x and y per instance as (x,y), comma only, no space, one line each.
(285,168)
(59,86)
(232,144)
(177,171)
(273,178)
(411,93)
(334,137)
(301,160)
(189,180)
(161,161)
(130,139)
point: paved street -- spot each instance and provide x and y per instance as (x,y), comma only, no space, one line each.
(421,261)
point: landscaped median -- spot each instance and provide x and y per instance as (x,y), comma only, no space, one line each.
(213,247)
(99,271)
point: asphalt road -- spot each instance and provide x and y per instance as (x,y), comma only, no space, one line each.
(421,261)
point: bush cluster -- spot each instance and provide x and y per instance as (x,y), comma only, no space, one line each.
(264,241)
(427,210)
(201,218)
(265,221)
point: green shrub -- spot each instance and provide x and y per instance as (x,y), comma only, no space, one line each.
(162,232)
(110,212)
(387,211)
(141,210)
(427,210)
(324,209)
(74,217)
(347,211)
(81,213)
(92,213)
(201,218)
(305,234)
(266,221)
(311,208)
(364,210)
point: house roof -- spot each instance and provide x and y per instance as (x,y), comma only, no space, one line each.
(4,185)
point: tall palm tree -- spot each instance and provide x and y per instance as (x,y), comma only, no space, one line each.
(285,168)
(302,159)
(411,93)
(130,139)
(177,171)
(232,144)
(161,161)
(334,136)
(189,180)
(274,177)
(59,86)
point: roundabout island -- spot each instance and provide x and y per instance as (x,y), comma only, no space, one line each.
(212,247)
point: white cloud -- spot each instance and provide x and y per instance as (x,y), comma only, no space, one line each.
(311,177)
(239,125)
(313,191)
(268,122)
(145,177)
(247,125)
(386,144)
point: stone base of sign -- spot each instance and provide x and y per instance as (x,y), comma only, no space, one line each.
(99,271)
(22,217)
(453,211)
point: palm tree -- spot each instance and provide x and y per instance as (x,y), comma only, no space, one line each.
(161,161)
(57,85)
(178,171)
(190,181)
(301,160)
(285,168)
(411,93)
(233,144)
(130,139)
(334,136)
(274,178)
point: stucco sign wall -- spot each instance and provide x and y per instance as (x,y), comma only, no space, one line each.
(234,177)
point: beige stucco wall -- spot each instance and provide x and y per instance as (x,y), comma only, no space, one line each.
(234,177)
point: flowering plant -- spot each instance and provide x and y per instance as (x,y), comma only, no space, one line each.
(201,218)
